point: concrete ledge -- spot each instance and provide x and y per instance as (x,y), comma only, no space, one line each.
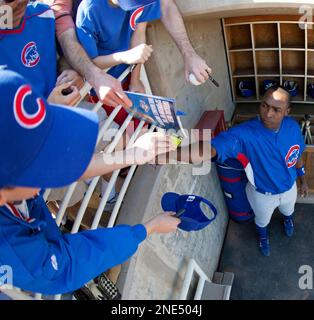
(157,270)
(225,8)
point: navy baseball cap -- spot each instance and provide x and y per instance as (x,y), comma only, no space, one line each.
(128,5)
(42,145)
(188,209)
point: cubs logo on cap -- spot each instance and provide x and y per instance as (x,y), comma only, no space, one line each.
(292,156)
(188,209)
(40,148)
(25,119)
(30,55)
(129,5)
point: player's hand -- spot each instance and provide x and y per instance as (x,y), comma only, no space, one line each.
(138,54)
(71,77)
(137,86)
(303,189)
(57,95)
(109,90)
(163,223)
(148,146)
(194,64)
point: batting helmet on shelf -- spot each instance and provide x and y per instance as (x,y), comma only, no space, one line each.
(292,87)
(246,88)
(310,90)
(268,83)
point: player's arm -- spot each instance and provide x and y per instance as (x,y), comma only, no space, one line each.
(194,153)
(172,20)
(303,187)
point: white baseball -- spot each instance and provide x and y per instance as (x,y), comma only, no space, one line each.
(193,80)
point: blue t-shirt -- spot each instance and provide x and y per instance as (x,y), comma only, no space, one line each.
(104,30)
(44,260)
(268,157)
(30,50)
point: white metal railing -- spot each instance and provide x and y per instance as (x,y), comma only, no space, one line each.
(193,266)
(16,293)
(223,292)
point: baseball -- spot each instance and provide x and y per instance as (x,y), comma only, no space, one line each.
(193,80)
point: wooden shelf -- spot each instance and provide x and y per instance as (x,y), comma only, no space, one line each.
(292,36)
(308,97)
(310,63)
(242,63)
(265,35)
(310,39)
(239,37)
(269,48)
(267,62)
(293,62)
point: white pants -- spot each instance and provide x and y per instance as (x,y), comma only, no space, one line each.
(264,205)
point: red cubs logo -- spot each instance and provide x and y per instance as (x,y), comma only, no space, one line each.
(30,56)
(292,156)
(135,16)
(24,119)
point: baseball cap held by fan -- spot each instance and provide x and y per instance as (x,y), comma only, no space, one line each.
(188,209)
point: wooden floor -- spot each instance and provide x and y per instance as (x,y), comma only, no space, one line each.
(275,277)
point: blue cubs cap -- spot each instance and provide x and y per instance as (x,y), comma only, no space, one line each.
(188,209)
(42,145)
(128,5)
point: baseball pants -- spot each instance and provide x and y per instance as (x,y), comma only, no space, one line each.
(264,205)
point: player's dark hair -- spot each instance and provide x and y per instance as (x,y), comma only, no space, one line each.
(276,87)
(8,1)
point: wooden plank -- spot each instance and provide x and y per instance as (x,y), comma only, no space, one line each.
(267,62)
(239,37)
(293,62)
(308,158)
(262,18)
(292,36)
(242,63)
(265,35)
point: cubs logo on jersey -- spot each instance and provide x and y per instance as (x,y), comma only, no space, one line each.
(135,16)
(25,119)
(292,156)
(30,55)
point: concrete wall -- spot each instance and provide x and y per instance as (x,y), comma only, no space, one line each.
(158,268)
(226,8)
(166,70)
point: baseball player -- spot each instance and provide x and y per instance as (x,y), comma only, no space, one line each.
(41,151)
(269,148)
